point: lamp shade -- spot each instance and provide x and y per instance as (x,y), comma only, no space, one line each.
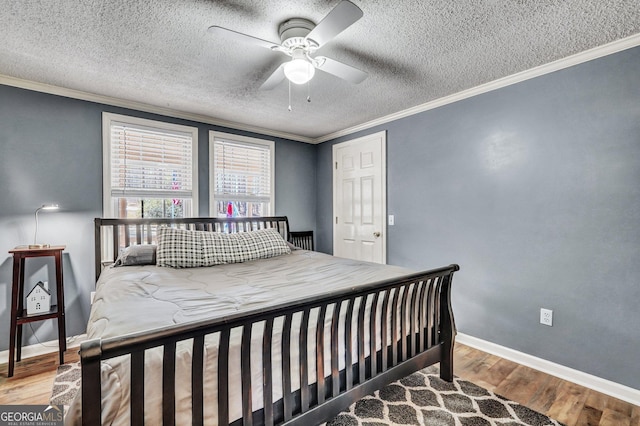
(299,71)
(50,207)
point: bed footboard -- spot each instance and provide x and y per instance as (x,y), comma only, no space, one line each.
(387,329)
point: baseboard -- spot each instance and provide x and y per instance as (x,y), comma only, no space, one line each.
(43,348)
(599,384)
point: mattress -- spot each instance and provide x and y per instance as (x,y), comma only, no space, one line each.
(136,298)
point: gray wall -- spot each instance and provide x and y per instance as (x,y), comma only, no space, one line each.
(534,189)
(51,151)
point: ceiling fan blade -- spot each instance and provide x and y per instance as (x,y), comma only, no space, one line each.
(274,79)
(339,69)
(338,20)
(242,38)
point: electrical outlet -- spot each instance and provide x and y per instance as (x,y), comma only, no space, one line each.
(546,317)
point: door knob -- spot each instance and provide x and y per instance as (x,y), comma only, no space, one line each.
(376,234)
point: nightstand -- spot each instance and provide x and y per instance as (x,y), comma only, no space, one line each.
(19,314)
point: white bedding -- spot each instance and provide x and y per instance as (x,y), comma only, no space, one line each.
(135,298)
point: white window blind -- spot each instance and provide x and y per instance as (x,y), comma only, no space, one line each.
(242,171)
(150,167)
(148,162)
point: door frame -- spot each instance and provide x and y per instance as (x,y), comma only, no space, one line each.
(383,158)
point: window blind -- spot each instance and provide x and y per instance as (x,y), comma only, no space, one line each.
(150,162)
(242,171)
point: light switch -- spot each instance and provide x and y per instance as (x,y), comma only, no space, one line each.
(392,220)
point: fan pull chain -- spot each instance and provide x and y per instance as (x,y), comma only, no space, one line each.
(309,91)
(289,95)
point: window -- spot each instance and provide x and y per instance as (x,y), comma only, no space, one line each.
(150,168)
(241,177)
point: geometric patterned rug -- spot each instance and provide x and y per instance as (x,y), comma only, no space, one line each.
(66,384)
(419,399)
(424,399)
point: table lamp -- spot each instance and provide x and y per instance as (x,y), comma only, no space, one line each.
(47,207)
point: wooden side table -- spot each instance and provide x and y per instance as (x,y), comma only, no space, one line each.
(18,313)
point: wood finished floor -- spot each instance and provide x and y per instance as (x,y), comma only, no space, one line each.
(564,401)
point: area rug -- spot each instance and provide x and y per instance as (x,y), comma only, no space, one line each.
(424,399)
(419,399)
(66,384)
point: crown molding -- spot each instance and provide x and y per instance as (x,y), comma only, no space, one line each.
(569,61)
(140,106)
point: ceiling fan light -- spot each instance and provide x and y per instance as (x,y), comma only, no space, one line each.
(299,71)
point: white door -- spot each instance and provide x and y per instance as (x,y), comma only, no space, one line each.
(359,199)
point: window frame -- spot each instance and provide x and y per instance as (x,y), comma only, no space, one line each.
(242,140)
(107,119)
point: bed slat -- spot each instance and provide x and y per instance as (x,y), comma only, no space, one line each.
(127,241)
(137,388)
(116,243)
(304,364)
(169,384)
(383,330)
(403,323)
(348,348)
(245,369)
(197,381)
(413,322)
(394,326)
(335,372)
(422,315)
(287,396)
(320,353)
(361,336)
(223,378)
(429,325)
(267,372)
(373,333)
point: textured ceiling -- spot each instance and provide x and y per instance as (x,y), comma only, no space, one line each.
(159,52)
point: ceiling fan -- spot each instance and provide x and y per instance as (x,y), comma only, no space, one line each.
(300,38)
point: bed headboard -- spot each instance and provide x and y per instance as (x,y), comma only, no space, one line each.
(111,235)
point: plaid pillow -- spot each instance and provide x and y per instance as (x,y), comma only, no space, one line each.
(220,248)
(179,248)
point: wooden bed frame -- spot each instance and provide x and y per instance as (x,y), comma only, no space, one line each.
(422,299)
